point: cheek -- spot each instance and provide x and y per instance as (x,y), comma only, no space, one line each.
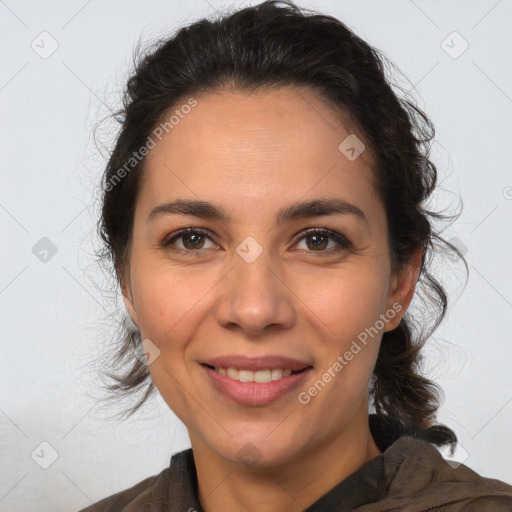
(348,307)
(346,302)
(169,309)
(168,301)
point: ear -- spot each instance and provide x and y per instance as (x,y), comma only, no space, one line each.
(128,299)
(402,286)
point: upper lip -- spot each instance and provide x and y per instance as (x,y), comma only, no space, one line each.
(256,363)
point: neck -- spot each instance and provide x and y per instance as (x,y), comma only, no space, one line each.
(296,485)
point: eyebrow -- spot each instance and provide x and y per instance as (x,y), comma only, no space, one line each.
(300,210)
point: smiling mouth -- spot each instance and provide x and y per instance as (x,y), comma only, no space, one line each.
(259,376)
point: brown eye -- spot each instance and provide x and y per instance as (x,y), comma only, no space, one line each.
(192,240)
(317,240)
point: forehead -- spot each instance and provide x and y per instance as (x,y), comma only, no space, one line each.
(258,148)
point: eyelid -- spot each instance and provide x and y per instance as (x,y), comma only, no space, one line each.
(170,237)
(340,239)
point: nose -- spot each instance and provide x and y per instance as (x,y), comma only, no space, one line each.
(254,298)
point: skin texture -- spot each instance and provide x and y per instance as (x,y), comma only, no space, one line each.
(254,154)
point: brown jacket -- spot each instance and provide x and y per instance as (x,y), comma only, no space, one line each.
(410,476)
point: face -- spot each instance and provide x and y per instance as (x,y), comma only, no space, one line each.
(267,280)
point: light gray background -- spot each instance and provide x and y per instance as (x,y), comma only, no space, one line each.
(56,318)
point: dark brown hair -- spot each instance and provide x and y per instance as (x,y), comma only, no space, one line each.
(277,44)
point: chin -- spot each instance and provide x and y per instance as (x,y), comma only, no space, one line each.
(253,450)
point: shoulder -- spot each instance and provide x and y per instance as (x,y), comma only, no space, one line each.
(136,498)
(420,474)
(174,487)
(490,504)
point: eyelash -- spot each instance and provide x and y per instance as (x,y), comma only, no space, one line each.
(337,237)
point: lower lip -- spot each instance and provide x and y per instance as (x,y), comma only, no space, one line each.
(254,393)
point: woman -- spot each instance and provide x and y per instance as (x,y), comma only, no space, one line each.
(263,209)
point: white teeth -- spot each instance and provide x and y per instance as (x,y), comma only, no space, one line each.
(233,373)
(277,373)
(245,376)
(260,376)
